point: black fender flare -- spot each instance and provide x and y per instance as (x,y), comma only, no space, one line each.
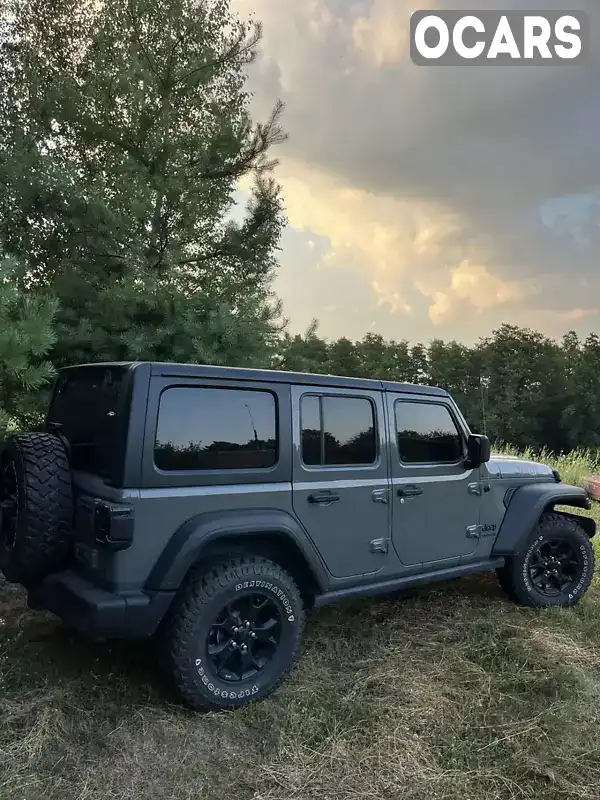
(526,506)
(187,543)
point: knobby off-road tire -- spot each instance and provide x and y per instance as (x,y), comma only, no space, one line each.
(554,567)
(249,603)
(37,507)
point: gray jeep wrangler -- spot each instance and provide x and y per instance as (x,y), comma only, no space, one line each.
(209,507)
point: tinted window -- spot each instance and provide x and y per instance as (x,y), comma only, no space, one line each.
(89,408)
(427,434)
(215,429)
(338,430)
(310,420)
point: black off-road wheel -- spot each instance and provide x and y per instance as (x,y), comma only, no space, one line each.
(234,633)
(36,507)
(554,568)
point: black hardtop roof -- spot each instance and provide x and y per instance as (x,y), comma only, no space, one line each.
(174,370)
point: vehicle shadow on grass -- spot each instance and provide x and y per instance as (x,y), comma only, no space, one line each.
(38,654)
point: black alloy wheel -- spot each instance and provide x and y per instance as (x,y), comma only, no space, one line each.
(554,566)
(233,632)
(244,638)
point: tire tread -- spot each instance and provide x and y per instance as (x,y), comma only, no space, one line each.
(200,587)
(44,475)
(509,576)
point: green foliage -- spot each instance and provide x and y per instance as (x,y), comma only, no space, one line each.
(517,385)
(574,467)
(26,336)
(151,318)
(308,353)
(124,136)
(525,376)
(344,358)
(450,364)
(387,360)
(581,411)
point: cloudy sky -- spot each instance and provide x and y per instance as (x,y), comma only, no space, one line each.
(426,202)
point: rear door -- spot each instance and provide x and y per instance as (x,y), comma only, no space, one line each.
(435,498)
(340,476)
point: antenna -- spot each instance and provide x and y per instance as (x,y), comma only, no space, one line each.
(482,405)
(252,423)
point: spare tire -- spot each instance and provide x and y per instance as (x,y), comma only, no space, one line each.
(36,507)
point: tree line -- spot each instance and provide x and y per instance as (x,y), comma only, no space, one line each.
(517,385)
(125,134)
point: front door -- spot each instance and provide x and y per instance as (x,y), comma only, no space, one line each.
(435,498)
(341,482)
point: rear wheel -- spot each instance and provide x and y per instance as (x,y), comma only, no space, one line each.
(36,507)
(234,633)
(554,568)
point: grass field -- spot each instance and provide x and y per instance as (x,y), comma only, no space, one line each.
(454,693)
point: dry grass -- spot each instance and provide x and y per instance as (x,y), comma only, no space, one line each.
(454,694)
(574,467)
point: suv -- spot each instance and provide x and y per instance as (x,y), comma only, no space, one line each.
(209,507)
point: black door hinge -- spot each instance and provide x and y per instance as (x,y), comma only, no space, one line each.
(379,545)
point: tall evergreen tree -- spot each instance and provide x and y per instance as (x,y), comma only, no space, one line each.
(124,135)
(26,336)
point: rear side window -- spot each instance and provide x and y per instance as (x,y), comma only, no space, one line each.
(216,429)
(90,409)
(338,431)
(427,434)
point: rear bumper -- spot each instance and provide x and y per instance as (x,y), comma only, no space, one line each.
(96,612)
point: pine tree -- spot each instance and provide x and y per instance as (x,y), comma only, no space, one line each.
(124,136)
(26,336)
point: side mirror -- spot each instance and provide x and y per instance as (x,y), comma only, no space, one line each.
(479,450)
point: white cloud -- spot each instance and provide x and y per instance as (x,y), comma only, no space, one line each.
(426,182)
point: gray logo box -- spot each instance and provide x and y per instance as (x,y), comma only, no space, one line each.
(491,20)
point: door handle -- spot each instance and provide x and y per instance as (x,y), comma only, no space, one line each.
(324,499)
(410,491)
(380,496)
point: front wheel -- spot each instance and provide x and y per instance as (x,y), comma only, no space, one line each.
(234,634)
(554,568)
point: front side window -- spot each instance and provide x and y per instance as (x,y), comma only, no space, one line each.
(427,434)
(216,429)
(338,431)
